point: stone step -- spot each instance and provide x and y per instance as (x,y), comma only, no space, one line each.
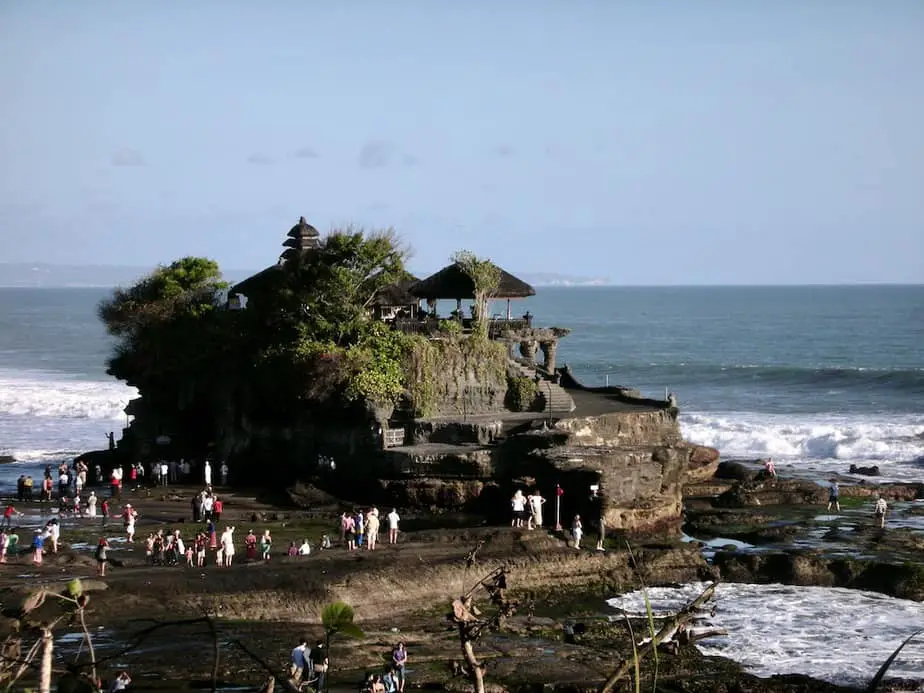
(555,398)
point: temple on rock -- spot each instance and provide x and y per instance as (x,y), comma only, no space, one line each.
(477,423)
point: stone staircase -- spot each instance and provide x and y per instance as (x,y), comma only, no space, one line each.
(555,398)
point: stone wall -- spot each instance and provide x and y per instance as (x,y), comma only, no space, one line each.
(457,376)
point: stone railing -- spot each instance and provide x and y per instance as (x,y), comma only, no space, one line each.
(496,326)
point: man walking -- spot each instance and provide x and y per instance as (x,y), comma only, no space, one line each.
(299,661)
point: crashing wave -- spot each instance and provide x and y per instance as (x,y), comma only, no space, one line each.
(843,439)
(838,635)
(53,395)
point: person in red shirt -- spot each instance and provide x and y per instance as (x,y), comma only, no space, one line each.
(104,510)
(217,507)
(8,516)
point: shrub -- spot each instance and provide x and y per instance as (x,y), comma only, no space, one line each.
(522,393)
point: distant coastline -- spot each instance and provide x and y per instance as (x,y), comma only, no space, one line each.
(37,275)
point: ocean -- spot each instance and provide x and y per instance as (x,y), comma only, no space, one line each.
(819,378)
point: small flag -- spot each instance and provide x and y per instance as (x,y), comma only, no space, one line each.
(559,491)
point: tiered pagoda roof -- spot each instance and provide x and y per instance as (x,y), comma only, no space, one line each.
(301,238)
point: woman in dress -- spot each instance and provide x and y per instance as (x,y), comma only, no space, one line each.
(266,544)
(250,544)
(227,545)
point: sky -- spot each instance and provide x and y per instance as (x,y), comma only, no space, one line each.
(734,142)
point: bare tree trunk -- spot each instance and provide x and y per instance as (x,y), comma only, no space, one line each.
(477,672)
(48,644)
(687,613)
(89,641)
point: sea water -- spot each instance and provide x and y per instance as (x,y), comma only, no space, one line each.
(819,378)
(838,635)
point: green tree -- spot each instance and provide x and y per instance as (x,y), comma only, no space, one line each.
(485,276)
(337,619)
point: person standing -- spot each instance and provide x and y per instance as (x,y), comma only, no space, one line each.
(227,546)
(834,496)
(372,530)
(91,504)
(297,667)
(393,521)
(8,516)
(102,556)
(536,501)
(208,473)
(129,515)
(880,511)
(577,531)
(518,505)
(38,546)
(399,661)
(217,507)
(223,471)
(319,663)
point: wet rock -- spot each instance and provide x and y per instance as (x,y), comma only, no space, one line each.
(703,464)
(904,580)
(865,471)
(734,470)
(306,495)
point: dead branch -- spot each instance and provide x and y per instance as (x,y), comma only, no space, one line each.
(669,628)
(472,625)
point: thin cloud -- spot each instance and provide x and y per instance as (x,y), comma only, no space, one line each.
(306,153)
(409,160)
(260,159)
(128,157)
(376,154)
(503,151)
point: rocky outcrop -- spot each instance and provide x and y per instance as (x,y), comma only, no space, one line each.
(798,568)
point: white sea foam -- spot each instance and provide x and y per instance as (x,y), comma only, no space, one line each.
(829,442)
(834,634)
(41,394)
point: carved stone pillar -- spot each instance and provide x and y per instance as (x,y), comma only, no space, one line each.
(528,351)
(548,351)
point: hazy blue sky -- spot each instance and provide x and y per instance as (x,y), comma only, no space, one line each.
(651,142)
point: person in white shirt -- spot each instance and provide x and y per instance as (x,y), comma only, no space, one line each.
(208,473)
(518,503)
(880,511)
(91,504)
(393,521)
(164,473)
(304,549)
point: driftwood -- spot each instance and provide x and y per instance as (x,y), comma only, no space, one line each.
(472,624)
(670,627)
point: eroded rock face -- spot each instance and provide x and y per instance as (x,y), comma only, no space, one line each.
(639,461)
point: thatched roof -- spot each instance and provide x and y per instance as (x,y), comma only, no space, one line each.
(255,281)
(302,237)
(397,294)
(453,282)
